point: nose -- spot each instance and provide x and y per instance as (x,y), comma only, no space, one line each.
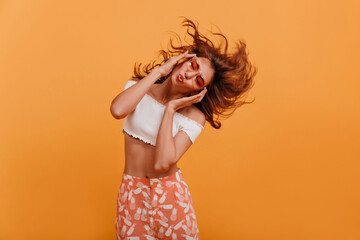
(192,74)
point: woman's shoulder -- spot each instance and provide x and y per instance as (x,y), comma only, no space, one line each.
(134,79)
(193,113)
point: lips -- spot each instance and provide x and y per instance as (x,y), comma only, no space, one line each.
(180,78)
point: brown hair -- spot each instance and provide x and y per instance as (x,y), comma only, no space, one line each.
(233,75)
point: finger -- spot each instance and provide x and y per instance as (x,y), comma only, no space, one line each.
(178,57)
(200,93)
(197,98)
(183,54)
(186,55)
(174,60)
(190,55)
(203,92)
(203,95)
(194,99)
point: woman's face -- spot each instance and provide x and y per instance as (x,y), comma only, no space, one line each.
(193,75)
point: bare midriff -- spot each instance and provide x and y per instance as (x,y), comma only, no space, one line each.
(139,159)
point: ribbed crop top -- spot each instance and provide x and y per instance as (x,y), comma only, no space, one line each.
(144,122)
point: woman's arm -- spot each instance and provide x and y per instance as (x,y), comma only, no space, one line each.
(126,101)
(169,149)
(165,151)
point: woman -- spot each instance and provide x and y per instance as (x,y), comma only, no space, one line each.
(165,107)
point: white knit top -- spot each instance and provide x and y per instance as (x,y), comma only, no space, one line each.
(144,122)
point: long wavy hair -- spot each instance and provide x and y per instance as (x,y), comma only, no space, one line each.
(233,77)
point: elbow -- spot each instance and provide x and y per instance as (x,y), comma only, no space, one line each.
(115,114)
(161,168)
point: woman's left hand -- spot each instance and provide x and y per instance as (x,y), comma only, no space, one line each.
(185,101)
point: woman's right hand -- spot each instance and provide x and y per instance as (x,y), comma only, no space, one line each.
(168,66)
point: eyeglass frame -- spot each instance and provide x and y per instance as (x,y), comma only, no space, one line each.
(191,61)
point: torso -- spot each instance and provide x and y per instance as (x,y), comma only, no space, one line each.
(139,156)
(139,159)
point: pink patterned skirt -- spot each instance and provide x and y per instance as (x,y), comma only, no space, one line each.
(155,208)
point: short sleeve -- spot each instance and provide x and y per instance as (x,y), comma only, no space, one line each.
(129,84)
(190,127)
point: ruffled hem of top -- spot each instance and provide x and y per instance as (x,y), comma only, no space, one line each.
(137,137)
(176,113)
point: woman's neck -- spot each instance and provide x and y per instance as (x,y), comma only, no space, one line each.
(166,91)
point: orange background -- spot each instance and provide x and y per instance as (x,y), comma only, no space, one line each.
(285,167)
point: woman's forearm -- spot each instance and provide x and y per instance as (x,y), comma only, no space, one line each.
(126,101)
(165,152)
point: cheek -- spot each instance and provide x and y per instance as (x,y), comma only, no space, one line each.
(176,69)
(211,76)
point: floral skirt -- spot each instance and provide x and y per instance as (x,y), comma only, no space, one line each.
(155,208)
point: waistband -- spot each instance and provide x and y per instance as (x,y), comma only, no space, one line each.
(174,177)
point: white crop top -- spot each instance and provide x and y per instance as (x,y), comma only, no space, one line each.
(144,122)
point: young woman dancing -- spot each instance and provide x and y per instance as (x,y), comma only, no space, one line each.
(165,107)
